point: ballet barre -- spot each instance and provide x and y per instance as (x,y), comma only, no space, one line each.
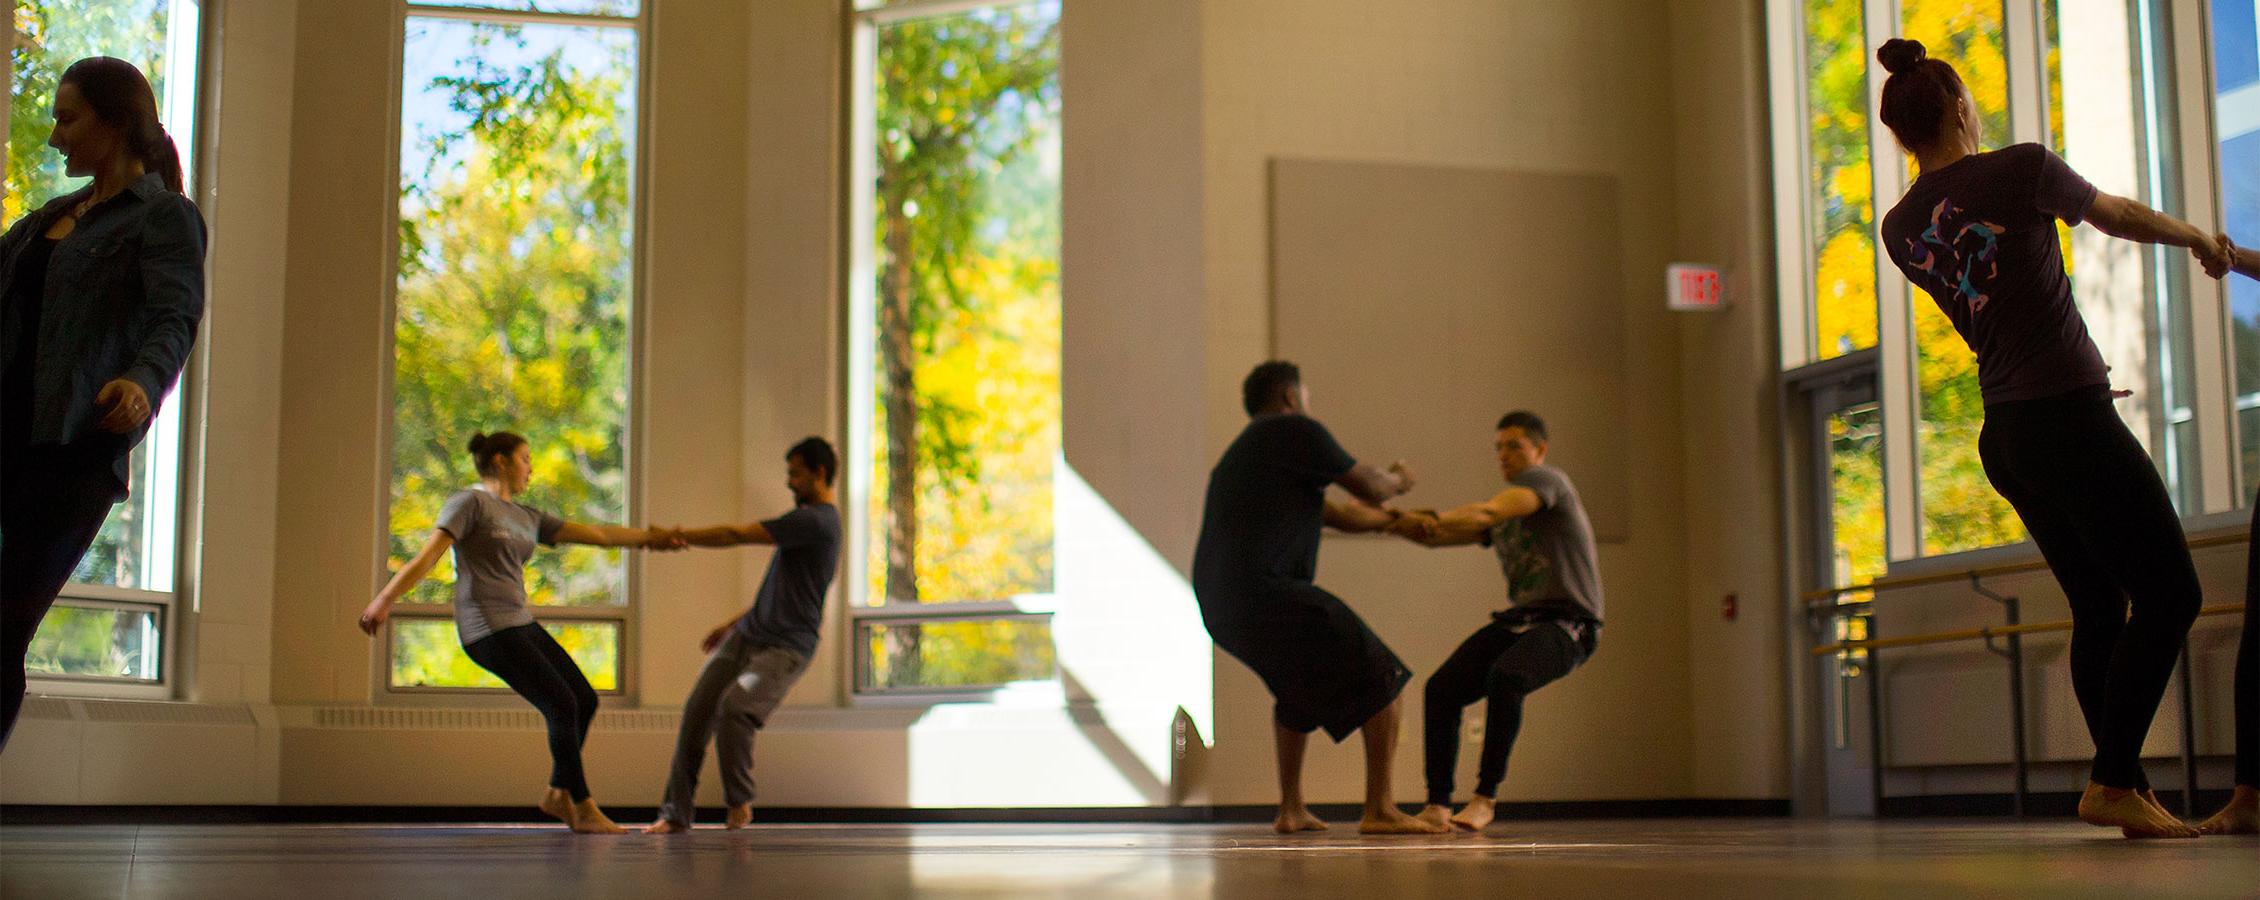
(1829,603)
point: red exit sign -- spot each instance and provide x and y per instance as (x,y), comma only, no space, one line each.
(1692,286)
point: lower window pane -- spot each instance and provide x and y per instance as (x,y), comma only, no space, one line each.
(956,654)
(426,654)
(97,642)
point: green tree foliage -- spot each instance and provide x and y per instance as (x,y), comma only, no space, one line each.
(50,35)
(512,308)
(967,118)
(1960,509)
(1855,455)
(426,654)
(969,315)
(1843,214)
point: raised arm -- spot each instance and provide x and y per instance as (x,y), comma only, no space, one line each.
(373,617)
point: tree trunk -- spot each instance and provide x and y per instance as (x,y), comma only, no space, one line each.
(897,357)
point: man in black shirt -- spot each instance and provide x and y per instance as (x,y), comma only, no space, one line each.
(754,658)
(1253,574)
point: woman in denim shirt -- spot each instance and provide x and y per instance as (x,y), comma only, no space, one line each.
(103,288)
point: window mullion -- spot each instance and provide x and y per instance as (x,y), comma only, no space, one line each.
(1895,335)
(2212,354)
(2027,66)
(1793,227)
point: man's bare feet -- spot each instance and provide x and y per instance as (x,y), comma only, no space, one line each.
(2241,816)
(1435,814)
(739,817)
(1296,818)
(665,827)
(588,819)
(1391,820)
(1478,812)
(2126,810)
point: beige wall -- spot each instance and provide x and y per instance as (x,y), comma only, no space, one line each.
(1730,434)
(1175,110)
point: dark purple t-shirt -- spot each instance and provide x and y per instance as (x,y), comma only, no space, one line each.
(1980,237)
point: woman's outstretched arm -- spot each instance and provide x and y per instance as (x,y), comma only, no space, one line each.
(405,580)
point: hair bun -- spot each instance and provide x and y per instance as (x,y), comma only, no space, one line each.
(478,443)
(1900,54)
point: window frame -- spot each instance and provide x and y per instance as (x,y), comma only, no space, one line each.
(175,607)
(858,318)
(2187,181)
(626,616)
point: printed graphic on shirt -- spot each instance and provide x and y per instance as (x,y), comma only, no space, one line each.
(1961,254)
(1526,573)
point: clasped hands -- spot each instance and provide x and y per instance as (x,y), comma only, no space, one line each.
(2217,255)
(665,540)
(1414,525)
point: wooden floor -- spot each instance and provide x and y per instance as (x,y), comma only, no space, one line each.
(1680,858)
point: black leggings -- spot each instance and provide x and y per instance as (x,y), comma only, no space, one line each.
(1500,667)
(2248,668)
(530,661)
(52,503)
(2096,507)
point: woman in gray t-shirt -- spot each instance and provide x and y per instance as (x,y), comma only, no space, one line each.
(492,535)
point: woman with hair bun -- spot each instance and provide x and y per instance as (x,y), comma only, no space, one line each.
(103,288)
(1977,231)
(492,535)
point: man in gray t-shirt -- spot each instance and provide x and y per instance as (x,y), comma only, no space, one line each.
(754,658)
(1550,626)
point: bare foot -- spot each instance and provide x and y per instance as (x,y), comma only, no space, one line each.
(665,827)
(1478,812)
(2125,810)
(1435,814)
(739,817)
(1390,820)
(1296,818)
(558,804)
(2241,816)
(2149,799)
(588,819)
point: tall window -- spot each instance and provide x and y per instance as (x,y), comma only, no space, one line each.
(111,623)
(2236,105)
(956,343)
(1960,511)
(2093,80)
(1841,204)
(513,301)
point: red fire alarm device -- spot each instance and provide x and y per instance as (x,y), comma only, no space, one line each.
(1693,287)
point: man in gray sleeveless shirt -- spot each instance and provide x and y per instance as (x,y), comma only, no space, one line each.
(1551,623)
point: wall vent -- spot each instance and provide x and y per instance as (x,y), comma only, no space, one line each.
(411,719)
(47,708)
(128,712)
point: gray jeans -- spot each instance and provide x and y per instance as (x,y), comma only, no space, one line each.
(741,684)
